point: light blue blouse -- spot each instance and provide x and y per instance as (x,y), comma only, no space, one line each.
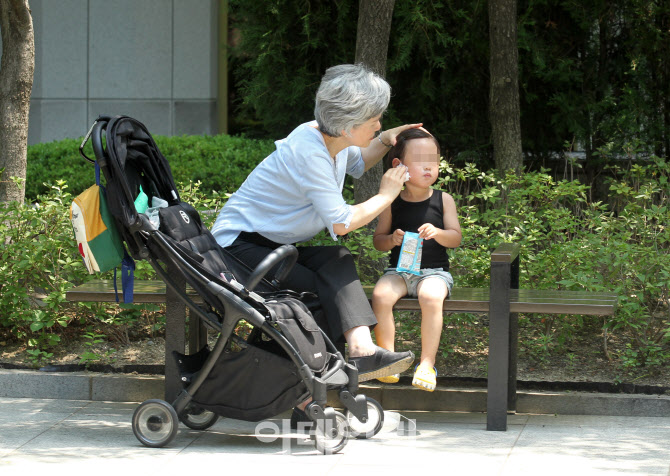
(294,193)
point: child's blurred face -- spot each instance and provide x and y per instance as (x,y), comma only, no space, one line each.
(422,160)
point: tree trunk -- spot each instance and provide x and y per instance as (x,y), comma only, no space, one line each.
(16,82)
(594,162)
(504,110)
(372,42)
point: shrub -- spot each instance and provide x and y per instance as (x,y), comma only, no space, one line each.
(220,163)
(573,243)
(39,262)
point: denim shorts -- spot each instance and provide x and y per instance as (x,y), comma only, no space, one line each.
(412,280)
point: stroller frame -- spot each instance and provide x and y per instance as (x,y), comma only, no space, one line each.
(228,302)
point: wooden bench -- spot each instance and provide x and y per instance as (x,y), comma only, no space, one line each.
(503,300)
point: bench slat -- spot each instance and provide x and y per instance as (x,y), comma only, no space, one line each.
(523,300)
(102,290)
(462,300)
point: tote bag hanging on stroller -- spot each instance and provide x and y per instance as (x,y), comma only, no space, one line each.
(98,240)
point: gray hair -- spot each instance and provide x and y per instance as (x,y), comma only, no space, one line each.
(349,95)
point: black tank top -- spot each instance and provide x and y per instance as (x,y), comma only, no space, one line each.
(409,216)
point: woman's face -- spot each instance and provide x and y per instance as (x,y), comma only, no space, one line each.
(422,160)
(362,135)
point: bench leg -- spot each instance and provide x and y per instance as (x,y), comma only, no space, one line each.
(499,348)
(197,334)
(175,327)
(512,367)
(513,340)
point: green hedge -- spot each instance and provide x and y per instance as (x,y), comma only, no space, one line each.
(220,163)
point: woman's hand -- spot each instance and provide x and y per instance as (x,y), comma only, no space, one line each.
(375,151)
(388,137)
(392,182)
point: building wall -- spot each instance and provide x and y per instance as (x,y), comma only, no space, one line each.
(154,60)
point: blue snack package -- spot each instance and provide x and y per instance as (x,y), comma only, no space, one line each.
(410,254)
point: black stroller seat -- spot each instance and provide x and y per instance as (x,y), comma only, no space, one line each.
(270,354)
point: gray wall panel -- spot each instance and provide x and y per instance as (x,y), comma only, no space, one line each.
(195,117)
(131,49)
(155,60)
(60,48)
(156,115)
(195,39)
(54,119)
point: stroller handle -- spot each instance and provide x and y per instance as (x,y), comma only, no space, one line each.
(286,253)
(97,145)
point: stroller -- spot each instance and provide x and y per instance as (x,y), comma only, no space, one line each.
(249,375)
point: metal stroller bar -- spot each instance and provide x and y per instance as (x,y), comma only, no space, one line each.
(241,310)
(287,254)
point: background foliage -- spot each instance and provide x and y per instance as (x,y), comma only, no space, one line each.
(593,74)
(286,45)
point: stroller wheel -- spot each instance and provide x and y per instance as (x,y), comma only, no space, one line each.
(155,423)
(197,418)
(331,440)
(360,430)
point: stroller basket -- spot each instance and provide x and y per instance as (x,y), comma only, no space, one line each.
(285,358)
(252,384)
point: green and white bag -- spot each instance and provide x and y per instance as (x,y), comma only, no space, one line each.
(98,240)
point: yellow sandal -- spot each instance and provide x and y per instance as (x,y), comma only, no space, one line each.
(390,379)
(425,378)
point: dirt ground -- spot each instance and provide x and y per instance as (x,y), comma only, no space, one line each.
(463,355)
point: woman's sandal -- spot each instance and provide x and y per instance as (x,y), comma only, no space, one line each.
(425,378)
(390,379)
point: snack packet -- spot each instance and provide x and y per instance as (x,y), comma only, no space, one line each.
(410,254)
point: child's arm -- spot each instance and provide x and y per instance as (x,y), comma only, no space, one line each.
(383,239)
(451,236)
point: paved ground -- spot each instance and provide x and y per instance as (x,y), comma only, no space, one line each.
(95,437)
(137,388)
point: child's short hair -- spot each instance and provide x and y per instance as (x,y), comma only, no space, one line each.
(398,150)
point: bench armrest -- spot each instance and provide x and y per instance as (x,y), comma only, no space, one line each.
(505,253)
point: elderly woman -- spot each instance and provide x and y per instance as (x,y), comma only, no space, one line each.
(297,191)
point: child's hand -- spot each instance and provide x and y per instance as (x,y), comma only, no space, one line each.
(428,231)
(397,237)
